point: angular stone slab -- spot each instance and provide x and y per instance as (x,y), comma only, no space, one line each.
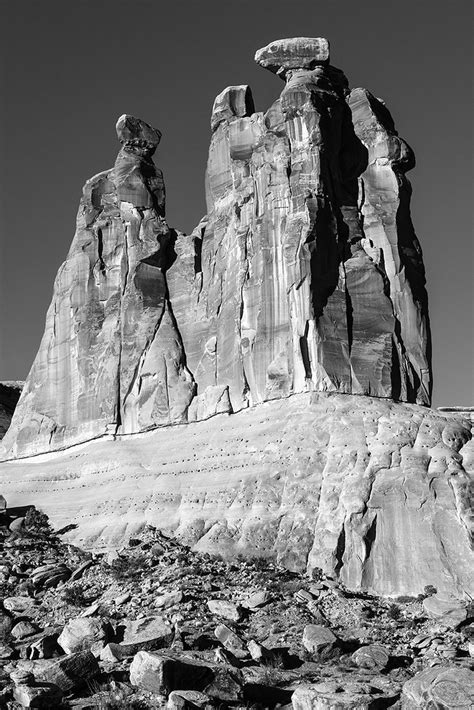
(295,53)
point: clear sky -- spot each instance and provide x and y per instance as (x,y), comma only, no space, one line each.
(69,68)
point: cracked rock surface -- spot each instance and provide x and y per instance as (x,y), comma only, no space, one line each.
(305,275)
(374,492)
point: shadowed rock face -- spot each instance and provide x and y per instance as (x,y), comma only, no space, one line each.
(9,396)
(306,274)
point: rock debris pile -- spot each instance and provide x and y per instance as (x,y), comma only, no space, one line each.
(156,625)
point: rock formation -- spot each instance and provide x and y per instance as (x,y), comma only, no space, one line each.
(302,287)
(373,492)
(111,356)
(306,273)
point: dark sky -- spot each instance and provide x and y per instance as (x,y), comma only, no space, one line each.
(71,67)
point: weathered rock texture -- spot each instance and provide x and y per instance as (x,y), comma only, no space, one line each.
(111,356)
(306,273)
(373,492)
(304,284)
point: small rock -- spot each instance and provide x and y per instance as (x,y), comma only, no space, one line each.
(231,641)
(111,653)
(187,700)
(318,640)
(91,610)
(6,652)
(345,693)
(164,672)
(256,600)
(372,657)
(166,600)
(18,605)
(256,650)
(77,574)
(315,611)
(23,629)
(50,575)
(67,672)
(122,599)
(303,596)
(226,609)
(439,687)
(146,634)
(446,610)
(81,634)
(112,556)
(16,525)
(38,696)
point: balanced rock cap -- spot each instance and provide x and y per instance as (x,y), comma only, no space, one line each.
(295,53)
(134,134)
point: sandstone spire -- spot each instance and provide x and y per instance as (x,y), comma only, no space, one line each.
(111,357)
(305,275)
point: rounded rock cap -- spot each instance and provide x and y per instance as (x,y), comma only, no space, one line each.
(133,134)
(283,55)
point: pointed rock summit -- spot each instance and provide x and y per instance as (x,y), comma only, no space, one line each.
(111,357)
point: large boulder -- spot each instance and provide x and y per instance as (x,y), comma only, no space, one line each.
(450,688)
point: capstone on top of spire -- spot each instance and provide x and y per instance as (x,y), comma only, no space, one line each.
(295,53)
(136,136)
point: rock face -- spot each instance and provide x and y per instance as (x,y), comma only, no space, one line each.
(301,288)
(372,492)
(306,274)
(111,356)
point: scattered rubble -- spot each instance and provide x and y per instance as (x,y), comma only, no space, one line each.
(160,626)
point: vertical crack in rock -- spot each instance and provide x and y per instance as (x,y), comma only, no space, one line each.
(306,273)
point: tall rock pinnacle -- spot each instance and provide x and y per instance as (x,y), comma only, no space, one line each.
(305,275)
(111,357)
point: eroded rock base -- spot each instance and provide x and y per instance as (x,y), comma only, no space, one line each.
(373,492)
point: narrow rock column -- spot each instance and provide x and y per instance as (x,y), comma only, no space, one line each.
(111,358)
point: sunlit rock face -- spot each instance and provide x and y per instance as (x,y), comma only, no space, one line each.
(302,287)
(373,492)
(111,356)
(305,275)
(309,273)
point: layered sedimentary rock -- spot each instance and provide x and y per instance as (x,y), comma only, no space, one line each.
(302,287)
(305,275)
(373,492)
(111,356)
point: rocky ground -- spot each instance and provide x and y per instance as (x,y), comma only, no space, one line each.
(157,625)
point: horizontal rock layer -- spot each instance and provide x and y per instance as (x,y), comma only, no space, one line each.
(373,492)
